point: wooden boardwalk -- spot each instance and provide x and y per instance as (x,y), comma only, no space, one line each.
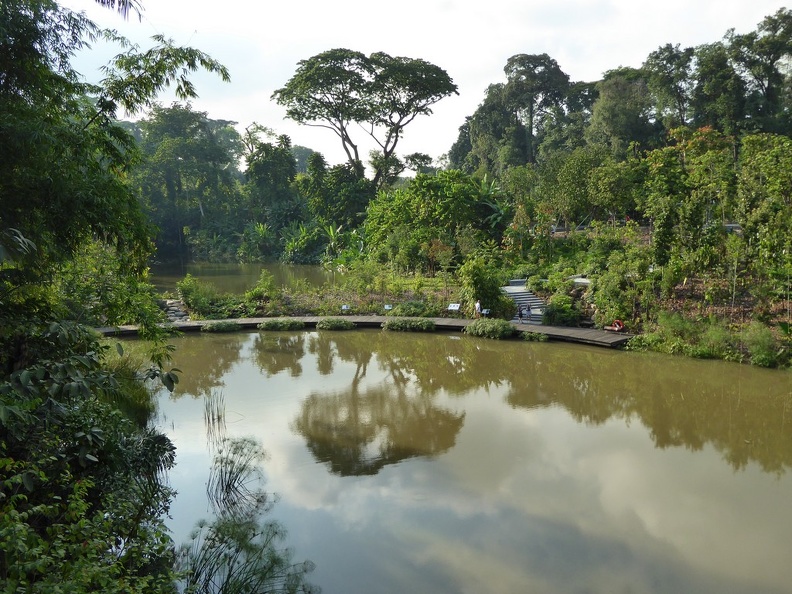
(591,336)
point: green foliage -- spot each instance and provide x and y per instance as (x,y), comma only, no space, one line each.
(198,296)
(78,480)
(95,289)
(534,337)
(625,287)
(416,309)
(221,326)
(282,324)
(409,325)
(489,328)
(711,338)
(340,87)
(337,196)
(763,348)
(335,324)
(402,224)
(479,281)
(264,290)
(189,183)
(561,311)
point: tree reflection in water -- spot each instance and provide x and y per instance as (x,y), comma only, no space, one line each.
(240,550)
(274,353)
(358,432)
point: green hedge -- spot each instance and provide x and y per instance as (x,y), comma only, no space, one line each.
(409,325)
(221,326)
(491,328)
(281,324)
(335,324)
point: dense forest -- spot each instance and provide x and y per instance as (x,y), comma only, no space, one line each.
(667,186)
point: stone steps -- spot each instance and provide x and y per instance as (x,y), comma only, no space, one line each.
(523,297)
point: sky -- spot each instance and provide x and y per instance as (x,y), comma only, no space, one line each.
(262,42)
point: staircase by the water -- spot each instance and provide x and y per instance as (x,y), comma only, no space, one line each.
(523,297)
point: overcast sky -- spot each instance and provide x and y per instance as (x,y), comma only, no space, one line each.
(261,42)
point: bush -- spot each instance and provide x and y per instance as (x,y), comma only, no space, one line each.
(415,309)
(409,325)
(480,281)
(204,300)
(221,326)
(761,345)
(716,342)
(561,311)
(264,289)
(282,324)
(674,325)
(534,337)
(335,324)
(491,328)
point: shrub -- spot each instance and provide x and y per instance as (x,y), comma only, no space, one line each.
(716,342)
(675,325)
(281,324)
(479,280)
(416,309)
(264,289)
(409,325)
(335,324)
(561,311)
(221,326)
(204,300)
(535,337)
(761,345)
(491,328)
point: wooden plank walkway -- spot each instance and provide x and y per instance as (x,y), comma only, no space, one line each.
(591,336)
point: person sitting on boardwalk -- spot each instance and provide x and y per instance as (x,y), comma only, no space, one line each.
(617,326)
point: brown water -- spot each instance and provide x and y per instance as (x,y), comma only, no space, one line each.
(445,464)
(238,278)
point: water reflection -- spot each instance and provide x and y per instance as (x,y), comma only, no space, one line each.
(745,413)
(240,550)
(359,432)
(215,356)
(214,419)
(681,402)
(274,353)
(521,466)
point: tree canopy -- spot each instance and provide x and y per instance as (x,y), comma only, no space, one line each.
(382,93)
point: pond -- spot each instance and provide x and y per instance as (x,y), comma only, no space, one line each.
(238,278)
(444,463)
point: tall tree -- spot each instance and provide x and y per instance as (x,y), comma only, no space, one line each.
(271,171)
(761,56)
(498,137)
(565,130)
(622,112)
(535,85)
(187,175)
(719,93)
(341,87)
(670,79)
